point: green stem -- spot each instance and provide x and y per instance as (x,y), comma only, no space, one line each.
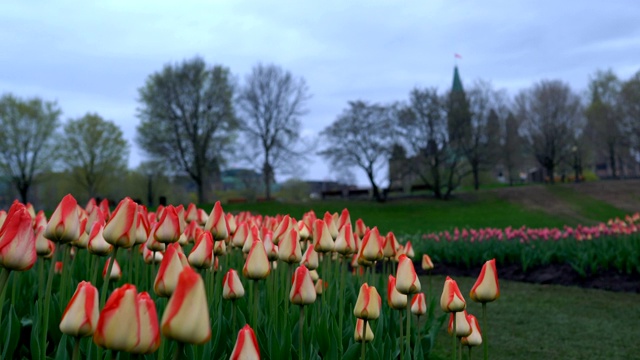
(454,336)
(105,284)
(4,279)
(47,304)
(40,283)
(343,273)
(63,275)
(109,354)
(130,267)
(95,265)
(287,286)
(301,333)
(485,344)
(469,353)
(419,330)
(364,340)
(76,349)
(178,355)
(256,296)
(14,291)
(401,337)
(408,332)
(233,317)
(459,349)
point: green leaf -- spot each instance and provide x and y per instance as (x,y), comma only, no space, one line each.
(352,353)
(12,324)
(62,353)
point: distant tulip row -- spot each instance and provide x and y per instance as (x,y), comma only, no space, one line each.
(180,251)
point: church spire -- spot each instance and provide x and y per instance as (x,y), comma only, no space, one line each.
(457,83)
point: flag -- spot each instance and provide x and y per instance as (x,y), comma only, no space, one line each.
(457,56)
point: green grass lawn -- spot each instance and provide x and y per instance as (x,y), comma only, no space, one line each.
(585,205)
(531,321)
(419,215)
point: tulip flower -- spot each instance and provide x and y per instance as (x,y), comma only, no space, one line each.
(232,288)
(451,299)
(43,247)
(407,281)
(149,331)
(97,244)
(201,255)
(58,267)
(408,250)
(331,225)
(289,247)
(83,239)
(314,275)
(282,230)
(395,299)
(104,208)
(322,240)
(371,249)
(80,317)
(256,266)
(120,231)
(217,223)
(142,228)
(252,236)
(368,303)
(475,338)
(231,226)
(191,214)
(320,286)
(186,317)
(310,258)
(303,291)
(418,304)
(64,224)
(240,236)
(426,262)
(170,269)
(270,248)
(361,228)
(345,243)
(389,246)
(304,230)
(359,332)
(153,244)
(118,324)
(486,288)
(18,241)
(167,229)
(151,257)
(462,327)
(116,272)
(344,219)
(246,347)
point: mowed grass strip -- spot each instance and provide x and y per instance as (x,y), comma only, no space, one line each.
(417,215)
(585,205)
(531,321)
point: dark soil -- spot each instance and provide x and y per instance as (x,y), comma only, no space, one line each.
(559,274)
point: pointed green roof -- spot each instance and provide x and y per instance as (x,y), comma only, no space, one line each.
(457,83)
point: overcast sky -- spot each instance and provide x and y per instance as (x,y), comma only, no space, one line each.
(93,57)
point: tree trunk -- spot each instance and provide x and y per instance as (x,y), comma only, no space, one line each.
(23,189)
(612,162)
(266,176)
(376,191)
(550,172)
(476,176)
(200,185)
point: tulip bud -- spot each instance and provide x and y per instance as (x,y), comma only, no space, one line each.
(64,224)
(256,266)
(475,339)
(418,304)
(426,262)
(149,330)
(252,236)
(83,239)
(118,322)
(359,332)
(167,230)
(191,214)
(344,219)
(289,249)
(371,249)
(389,245)
(368,303)
(151,257)
(331,225)
(80,317)
(217,223)
(201,256)
(246,347)
(303,230)
(314,275)
(407,281)
(116,272)
(142,228)
(320,286)
(121,228)
(322,240)
(395,299)
(186,317)
(18,241)
(282,230)
(361,228)
(97,244)
(302,291)
(240,236)
(104,208)
(58,267)
(486,288)
(408,250)
(345,243)
(310,258)
(232,288)
(231,226)
(42,244)
(153,244)
(451,299)
(463,328)
(170,269)
(269,247)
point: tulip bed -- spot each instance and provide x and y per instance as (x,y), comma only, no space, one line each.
(181,283)
(614,245)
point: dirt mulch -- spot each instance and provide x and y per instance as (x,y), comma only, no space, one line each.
(559,274)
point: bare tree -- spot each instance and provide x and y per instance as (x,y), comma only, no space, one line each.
(423,125)
(604,120)
(187,119)
(482,143)
(94,150)
(27,137)
(271,103)
(630,108)
(511,146)
(361,136)
(551,116)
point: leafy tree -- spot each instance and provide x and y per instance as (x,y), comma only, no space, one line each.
(26,139)
(188,120)
(271,103)
(630,108)
(424,125)
(604,120)
(551,116)
(94,151)
(361,137)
